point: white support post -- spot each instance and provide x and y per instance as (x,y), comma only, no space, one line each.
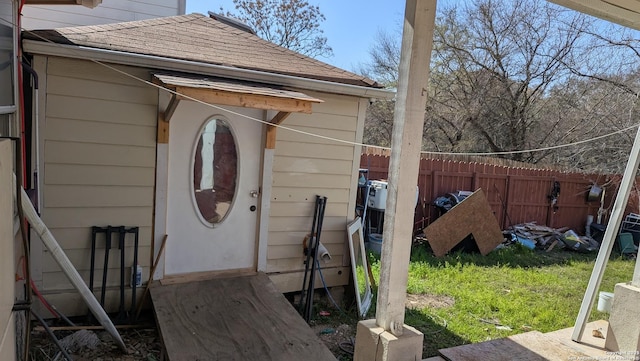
(406,144)
(609,237)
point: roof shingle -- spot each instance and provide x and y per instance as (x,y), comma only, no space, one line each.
(199,38)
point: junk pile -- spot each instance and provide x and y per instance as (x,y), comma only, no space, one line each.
(467,223)
(532,236)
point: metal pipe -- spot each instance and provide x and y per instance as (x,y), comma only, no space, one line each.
(36,134)
(134,275)
(52,336)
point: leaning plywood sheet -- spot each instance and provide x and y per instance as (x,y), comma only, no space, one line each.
(238,318)
(471,216)
(530,346)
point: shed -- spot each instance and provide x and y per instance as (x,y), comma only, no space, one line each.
(166,125)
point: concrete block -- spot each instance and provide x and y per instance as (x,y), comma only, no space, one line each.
(373,343)
(623,334)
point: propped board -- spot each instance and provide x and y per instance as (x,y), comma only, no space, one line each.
(237,318)
(471,216)
(530,346)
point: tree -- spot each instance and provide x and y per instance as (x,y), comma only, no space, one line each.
(293,24)
(523,74)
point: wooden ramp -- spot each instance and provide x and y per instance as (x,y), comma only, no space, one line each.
(534,346)
(238,318)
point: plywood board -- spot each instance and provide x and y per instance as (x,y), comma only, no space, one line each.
(471,216)
(530,346)
(239,318)
(589,345)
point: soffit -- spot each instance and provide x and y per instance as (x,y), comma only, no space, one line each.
(87,3)
(623,12)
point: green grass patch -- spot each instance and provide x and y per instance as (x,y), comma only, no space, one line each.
(514,287)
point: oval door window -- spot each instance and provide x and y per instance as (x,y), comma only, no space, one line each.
(215,171)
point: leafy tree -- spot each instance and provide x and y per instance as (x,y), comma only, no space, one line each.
(293,24)
(523,74)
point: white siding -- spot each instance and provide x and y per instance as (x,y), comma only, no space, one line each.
(306,166)
(7,266)
(99,136)
(110,11)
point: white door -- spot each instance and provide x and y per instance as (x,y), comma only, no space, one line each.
(212,193)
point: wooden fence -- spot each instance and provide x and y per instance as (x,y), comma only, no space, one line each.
(516,194)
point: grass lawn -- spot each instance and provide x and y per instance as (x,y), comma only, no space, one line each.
(471,298)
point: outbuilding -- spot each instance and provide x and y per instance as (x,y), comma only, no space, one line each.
(169,125)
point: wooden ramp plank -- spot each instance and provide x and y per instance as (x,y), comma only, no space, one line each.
(530,346)
(589,345)
(239,318)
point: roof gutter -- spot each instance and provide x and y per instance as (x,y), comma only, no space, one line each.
(157,62)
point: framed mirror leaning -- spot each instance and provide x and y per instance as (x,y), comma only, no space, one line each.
(359,267)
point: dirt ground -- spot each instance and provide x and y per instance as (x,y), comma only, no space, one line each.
(144,344)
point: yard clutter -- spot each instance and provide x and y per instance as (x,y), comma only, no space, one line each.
(469,224)
(532,235)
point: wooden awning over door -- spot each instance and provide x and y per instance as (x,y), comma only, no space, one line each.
(233,93)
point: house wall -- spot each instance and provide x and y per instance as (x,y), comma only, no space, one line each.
(98,137)
(305,166)
(7,265)
(110,11)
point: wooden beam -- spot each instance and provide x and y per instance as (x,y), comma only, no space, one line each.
(273,130)
(171,107)
(607,10)
(163,129)
(408,122)
(632,6)
(626,185)
(280,117)
(257,101)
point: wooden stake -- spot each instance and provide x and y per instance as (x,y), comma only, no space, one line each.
(153,271)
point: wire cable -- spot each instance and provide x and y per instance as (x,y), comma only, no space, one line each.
(324,284)
(341,141)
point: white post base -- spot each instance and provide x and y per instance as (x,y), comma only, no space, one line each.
(373,343)
(624,322)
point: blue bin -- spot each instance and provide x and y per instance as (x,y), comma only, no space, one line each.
(375,243)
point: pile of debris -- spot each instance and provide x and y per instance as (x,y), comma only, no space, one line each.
(532,235)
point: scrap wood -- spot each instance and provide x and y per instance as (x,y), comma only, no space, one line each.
(542,235)
(552,245)
(471,216)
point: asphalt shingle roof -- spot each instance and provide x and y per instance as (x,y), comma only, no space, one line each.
(199,38)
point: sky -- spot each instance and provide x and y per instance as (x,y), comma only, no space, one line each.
(350,26)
